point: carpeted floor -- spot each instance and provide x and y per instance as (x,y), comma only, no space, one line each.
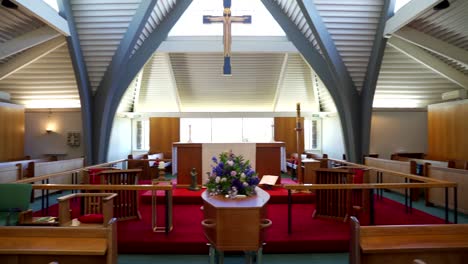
(309,235)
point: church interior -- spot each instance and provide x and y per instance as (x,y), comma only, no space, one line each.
(233,131)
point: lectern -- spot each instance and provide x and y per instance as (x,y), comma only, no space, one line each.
(235,224)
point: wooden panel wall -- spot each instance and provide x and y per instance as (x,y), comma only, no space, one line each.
(11,131)
(447,131)
(163,132)
(285,131)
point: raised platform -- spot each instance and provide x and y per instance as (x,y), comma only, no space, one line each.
(278,195)
(308,234)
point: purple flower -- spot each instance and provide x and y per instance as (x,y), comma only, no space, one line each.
(238,184)
(214,159)
(233,173)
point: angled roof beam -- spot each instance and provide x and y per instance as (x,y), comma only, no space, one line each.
(45,13)
(325,42)
(108,98)
(82,79)
(279,84)
(174,82)
(105,95)
(136,99)
(346,100)
(30,56)
(430,61)
(372,74)
(27,41)
(433,44)
(408,13)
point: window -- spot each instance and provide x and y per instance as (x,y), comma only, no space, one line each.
(141,132)
(226,130)
(312,135)
(200,127)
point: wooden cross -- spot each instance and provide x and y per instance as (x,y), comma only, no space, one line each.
(227,19)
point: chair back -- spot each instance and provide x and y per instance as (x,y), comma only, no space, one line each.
(14,198)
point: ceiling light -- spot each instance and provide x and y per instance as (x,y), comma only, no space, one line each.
(442,5)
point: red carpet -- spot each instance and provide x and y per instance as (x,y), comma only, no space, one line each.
(309,235)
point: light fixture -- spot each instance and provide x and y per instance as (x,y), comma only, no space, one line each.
(442,5)
(9,4)
(49,126)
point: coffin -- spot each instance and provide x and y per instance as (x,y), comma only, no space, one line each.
(235,224)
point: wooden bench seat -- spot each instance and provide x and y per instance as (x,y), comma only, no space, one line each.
(402,244)
(65,245)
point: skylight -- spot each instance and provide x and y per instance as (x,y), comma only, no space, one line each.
(191,22)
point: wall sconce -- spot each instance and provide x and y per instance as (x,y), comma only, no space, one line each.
(50,127)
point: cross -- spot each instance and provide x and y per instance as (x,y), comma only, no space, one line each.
(227,19)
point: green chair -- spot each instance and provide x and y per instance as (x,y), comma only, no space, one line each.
(14,199)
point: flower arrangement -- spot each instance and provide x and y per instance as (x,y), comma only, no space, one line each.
(231,176)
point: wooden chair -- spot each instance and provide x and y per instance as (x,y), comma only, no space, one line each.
(126,203)
(92,204)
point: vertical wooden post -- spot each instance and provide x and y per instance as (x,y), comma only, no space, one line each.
(300,176)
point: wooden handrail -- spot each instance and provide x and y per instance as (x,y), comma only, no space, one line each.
(107,196)
(400,174)
(103,187)
(368,186)
(49,176)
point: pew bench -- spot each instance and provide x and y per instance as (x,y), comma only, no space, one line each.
(148,164)
(65,245)
(403,244)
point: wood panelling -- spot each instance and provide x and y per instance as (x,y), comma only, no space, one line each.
(285,131)
(11,131)
(447,131)
(268,159)
(163,132)
(189,155)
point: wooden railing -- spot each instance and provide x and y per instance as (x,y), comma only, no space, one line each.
(376,184)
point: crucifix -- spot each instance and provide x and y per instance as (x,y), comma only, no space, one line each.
(227,19)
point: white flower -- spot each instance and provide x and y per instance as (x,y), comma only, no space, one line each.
(243,176)
(246,184)
(217,179)
(230,162)
(223,179)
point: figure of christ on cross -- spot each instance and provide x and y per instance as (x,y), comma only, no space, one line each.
(227,19)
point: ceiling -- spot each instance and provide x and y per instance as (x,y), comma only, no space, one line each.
(268,75)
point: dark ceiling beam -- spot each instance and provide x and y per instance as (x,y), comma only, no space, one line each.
(106,91)
(341,89)
(372,74)
(82,79)
(125,68)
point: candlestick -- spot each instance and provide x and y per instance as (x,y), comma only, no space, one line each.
(190,134)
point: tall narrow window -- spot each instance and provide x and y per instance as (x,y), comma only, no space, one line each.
(139,134)
(312,137)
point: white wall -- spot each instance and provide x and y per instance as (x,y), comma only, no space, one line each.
(38,142)
(120,144)
(393,131)
(332,137)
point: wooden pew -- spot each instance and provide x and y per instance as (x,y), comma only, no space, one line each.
(436,196)
(16,170)
(65,245)
(54,167)
(147,164)
(432,244)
